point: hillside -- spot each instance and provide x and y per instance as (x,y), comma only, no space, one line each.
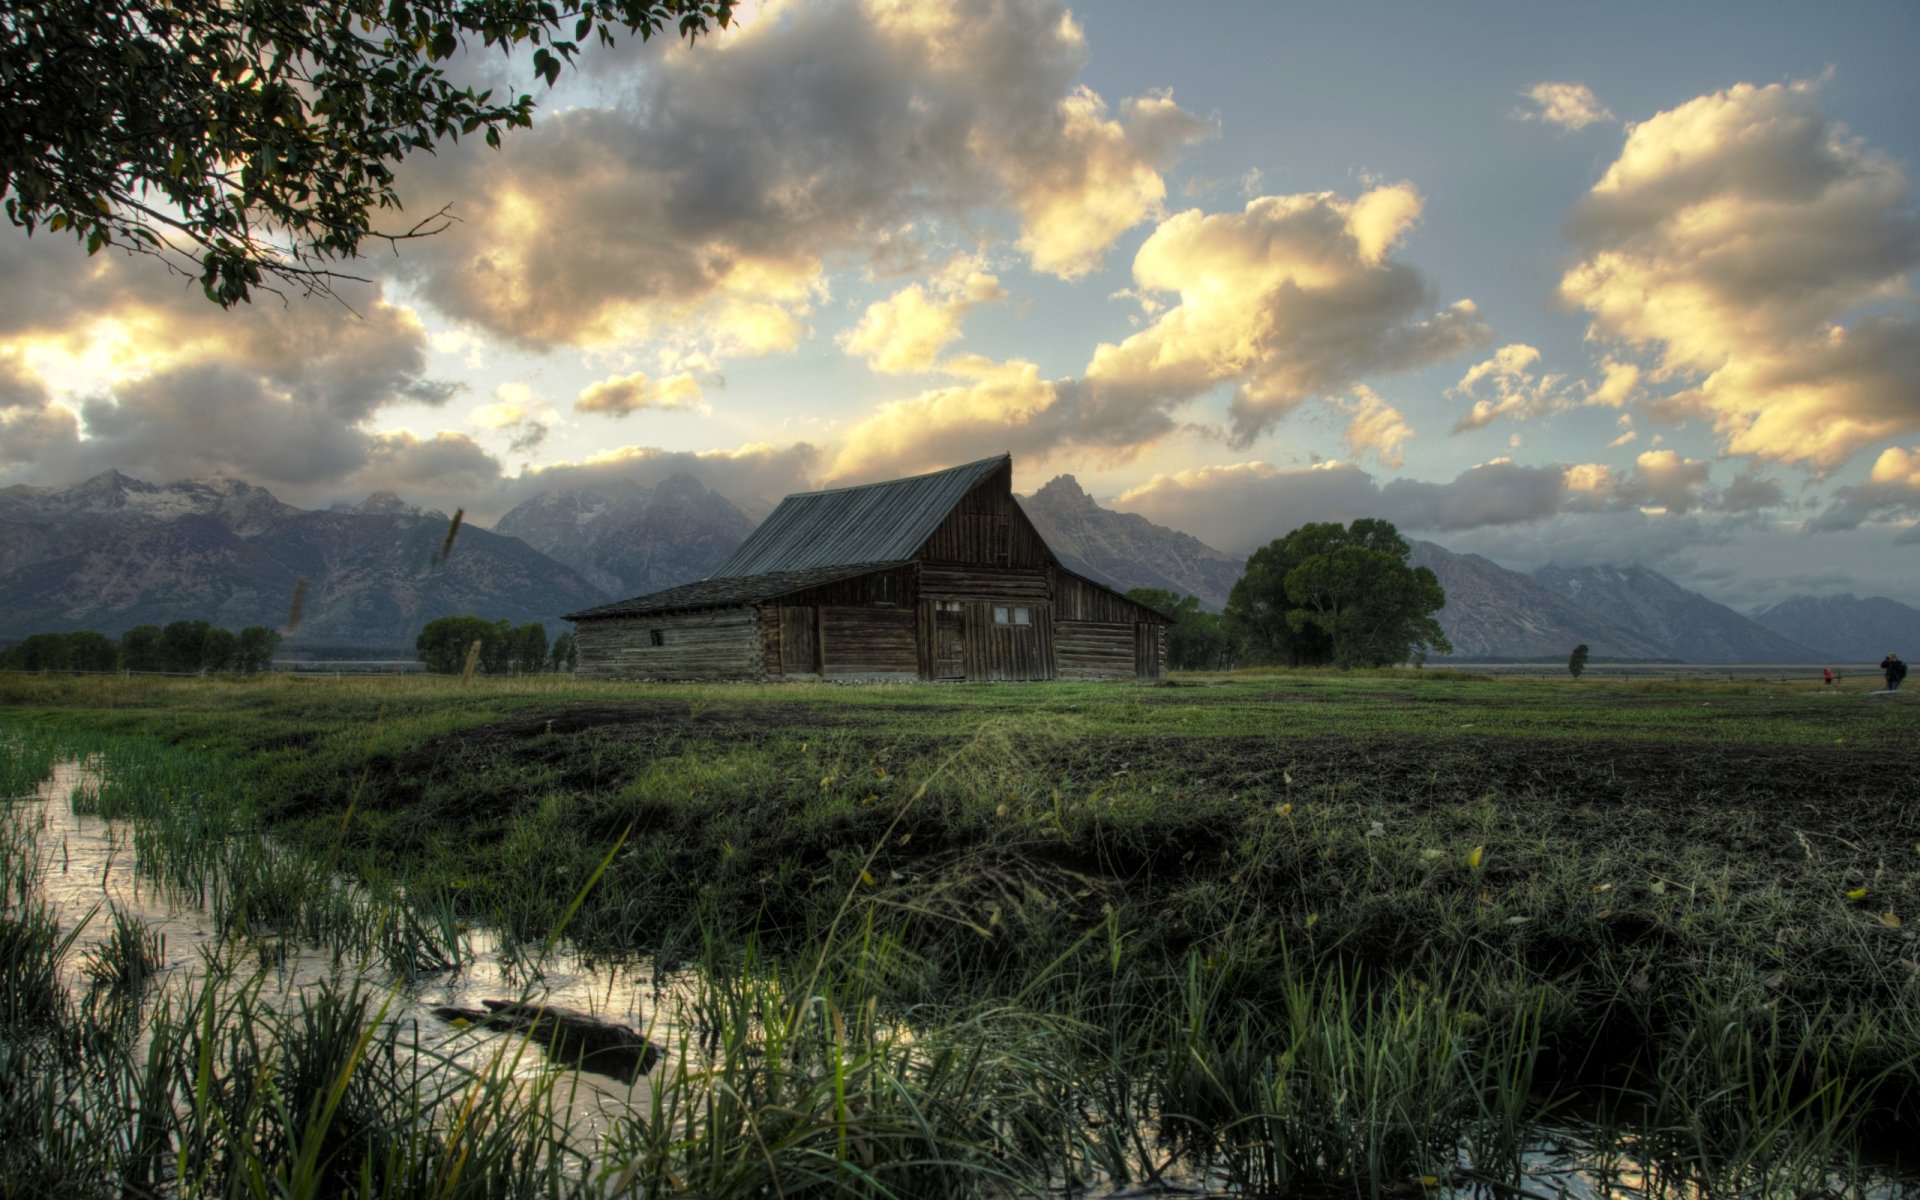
(1844,628)
(115,552)
(631,540)
(1693,627)
(1125,550)
(1492,612)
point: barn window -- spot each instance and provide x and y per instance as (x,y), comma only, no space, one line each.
(952,606)
(657,637)
(1003,615)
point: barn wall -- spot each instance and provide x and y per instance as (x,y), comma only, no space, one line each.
(987,529)
(723,643)
(1095,649)
(868,643)
(1079,599)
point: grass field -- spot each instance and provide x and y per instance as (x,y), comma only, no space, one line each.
(1285,932)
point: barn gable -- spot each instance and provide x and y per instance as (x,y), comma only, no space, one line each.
(939,576)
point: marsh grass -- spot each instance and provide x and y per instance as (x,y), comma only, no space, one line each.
(980,941)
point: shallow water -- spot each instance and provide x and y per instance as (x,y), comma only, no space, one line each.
(88,863)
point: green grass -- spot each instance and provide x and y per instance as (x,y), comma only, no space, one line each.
(1303,930)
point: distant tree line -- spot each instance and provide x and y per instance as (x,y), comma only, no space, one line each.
(184,647)
(451,645)
(1324,595)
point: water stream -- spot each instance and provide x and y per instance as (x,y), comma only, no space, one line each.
(89,864)
(89,870)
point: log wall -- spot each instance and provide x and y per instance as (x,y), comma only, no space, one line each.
(1095,649)
(723,643)
(987,529)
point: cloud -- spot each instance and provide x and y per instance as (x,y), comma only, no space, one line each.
(1731,240)
(1293,297)
(1892,490)
(1750,493)
(1518,393)
(1665,480)
(1000,407)
(753,476)
(704,196)
(907,331)
(119,365)
(32,426)
(1245,505)
(623,395)
(1568,105)
(1376,427)
(1619,381)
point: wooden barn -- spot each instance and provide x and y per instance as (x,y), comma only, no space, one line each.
(937,577)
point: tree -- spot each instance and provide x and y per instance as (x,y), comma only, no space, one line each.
(257,140)
(443,643)
(219,651)
(1346,596)
(1197,639)
(140,649)
(183,645)
(90,651)
(256,649)
(566,653)
(41,652)
(1578,662)
(529,643)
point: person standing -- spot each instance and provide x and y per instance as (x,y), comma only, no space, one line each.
(1894,670)
(1829,674)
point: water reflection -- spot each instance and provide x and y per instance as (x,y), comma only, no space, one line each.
(89,870)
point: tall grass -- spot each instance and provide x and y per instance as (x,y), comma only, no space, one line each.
(979,960)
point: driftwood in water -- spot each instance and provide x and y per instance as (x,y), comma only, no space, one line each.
(574,1038)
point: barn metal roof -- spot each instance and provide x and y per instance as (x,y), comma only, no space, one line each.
(720,593)
(874,523)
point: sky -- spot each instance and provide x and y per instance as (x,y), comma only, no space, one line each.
(1615,283)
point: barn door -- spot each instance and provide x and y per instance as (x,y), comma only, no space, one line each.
(799,647)
(949,646)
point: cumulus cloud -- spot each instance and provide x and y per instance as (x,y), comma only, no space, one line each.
(1245,505)
(999,407)
(1619,382)
(1732,240)
(1664,479)
(1892,490)
(1376,427)
(1293,297)
(908,331)
(704,199)
(119,365)
(1518,392)
(623,395)
(753,476)
(1568,105)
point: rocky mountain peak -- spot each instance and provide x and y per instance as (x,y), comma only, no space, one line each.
(383,502)
(1064,493)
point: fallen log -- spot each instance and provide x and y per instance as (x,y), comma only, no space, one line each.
(573,1038)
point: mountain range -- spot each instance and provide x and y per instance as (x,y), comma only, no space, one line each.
(1492,612)
(1691,627)
(1846,629)
(1125,550)
(113,552)
(632,539)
